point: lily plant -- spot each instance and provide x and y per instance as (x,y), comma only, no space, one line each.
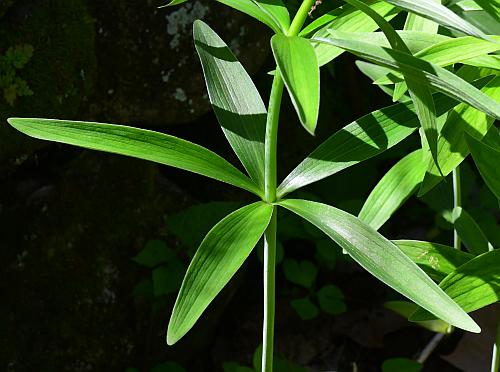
(442,73)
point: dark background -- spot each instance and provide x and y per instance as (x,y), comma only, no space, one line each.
(71,220)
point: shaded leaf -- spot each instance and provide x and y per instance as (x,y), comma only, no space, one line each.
(305,309)
(406,309)
(138,143)
(168,279)
(154,253)
(219,256)
(401,364)
(381,258)
(302,273)
(487,160)
(331,300)
(470,232)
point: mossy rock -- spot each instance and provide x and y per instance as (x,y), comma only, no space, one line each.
(61,71)
(149,73)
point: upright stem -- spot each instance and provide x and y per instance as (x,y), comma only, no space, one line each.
(495,359)
(270,186)
(269,294)
(457,202)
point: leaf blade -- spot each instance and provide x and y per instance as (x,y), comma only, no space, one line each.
(381,258)
(235,100)
(219,256)
(139,143)
(397,185)
(298,65)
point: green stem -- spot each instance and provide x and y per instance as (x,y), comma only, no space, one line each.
(495,360)
(457,202)
(270,186)
(300,17)
(269,294)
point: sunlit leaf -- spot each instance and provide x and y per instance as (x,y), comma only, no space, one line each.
(393,190)
(381,258)
(219,256)
(436,260)
(235,99)
(274,13)
(299,68)
(138,143)
(452,147)
(366,137)
(473,285)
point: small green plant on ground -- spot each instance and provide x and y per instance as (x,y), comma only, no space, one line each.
(446,86)
(13,86)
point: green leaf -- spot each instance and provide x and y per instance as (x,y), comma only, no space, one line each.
(473,285)
(417,23)
(168,367)
(436,260)
(381,258)
(458,50)
(173,3)
(401,364)
(272,13)
(154,253)
(206,216)
(235,99)
(296,60)
(348,19)
(219,256)
(422,71)
(168,279)
(331,300)
(438,13)
(393,190)
(138,143)
(362,139)
(304,308)
(302,273)
(452,146)
(406,309)
(470,232)
(487,160)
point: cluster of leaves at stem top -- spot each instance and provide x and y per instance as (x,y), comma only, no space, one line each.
(454,106)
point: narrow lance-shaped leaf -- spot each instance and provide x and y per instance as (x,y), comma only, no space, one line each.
(452,147)
(220,255)
(393,190)
(381,258)
(362,139)
(435,76)
(138,143)
(406,309)
(417,23)
(438,13)
(273,14)
(298,65)
(348,19)
(419,91)
(487,160)
(235,99)
(436,260)
(473,285)
(470,232)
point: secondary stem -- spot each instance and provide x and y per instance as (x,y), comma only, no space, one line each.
(457,202)
(270,186)
(495,360)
